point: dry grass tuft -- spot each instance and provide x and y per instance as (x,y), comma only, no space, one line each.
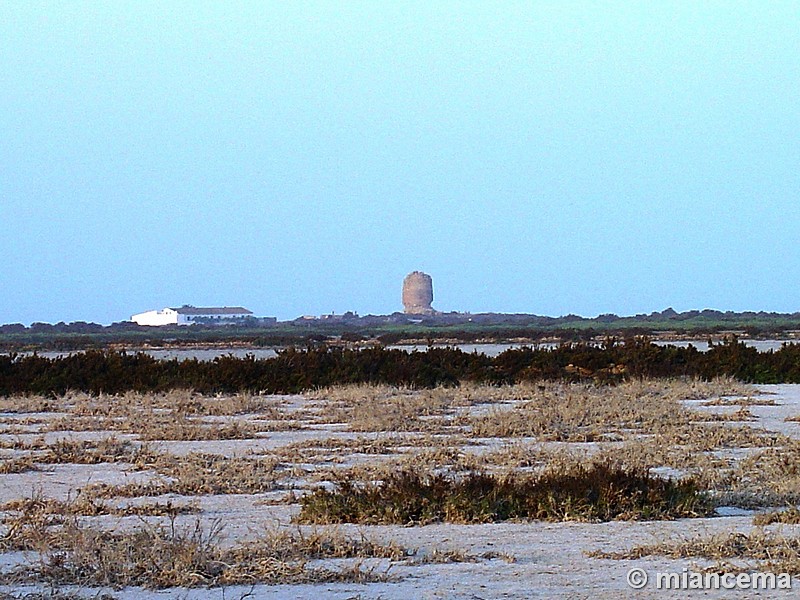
(586,413)
(19,464)
(55,595)
(381,408)
(772,552)
(85,452)
(31,521)
(743,401)
(180,427)
(789,516)
(160,556)
(239,404)
(299,544)
(169,425)
(27,404)
(769,477)
(176,415)
(85,506)
(199,474)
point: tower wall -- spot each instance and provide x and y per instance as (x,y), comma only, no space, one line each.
(417,293)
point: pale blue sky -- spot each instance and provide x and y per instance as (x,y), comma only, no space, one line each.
(302,157)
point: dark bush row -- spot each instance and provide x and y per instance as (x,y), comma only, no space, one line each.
(295,370)
(599,492)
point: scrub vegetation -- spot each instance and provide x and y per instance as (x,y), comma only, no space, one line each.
(599,492)
(294,371)
(311,475)
(161,556)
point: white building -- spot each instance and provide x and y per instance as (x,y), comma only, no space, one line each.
(187,315)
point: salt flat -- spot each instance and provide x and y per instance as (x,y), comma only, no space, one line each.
(304,442)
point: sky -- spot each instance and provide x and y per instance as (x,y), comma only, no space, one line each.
(296,158)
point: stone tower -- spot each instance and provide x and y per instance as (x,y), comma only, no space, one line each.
(417,294)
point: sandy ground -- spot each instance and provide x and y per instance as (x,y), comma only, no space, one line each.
(549,559)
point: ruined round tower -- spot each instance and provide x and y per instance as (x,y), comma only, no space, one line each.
(417,294)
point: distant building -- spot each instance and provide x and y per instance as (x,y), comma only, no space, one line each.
(187,315)
(418,294)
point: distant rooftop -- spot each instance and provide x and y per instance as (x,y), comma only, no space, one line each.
(224,310)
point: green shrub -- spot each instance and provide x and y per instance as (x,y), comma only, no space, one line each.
(599,492)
